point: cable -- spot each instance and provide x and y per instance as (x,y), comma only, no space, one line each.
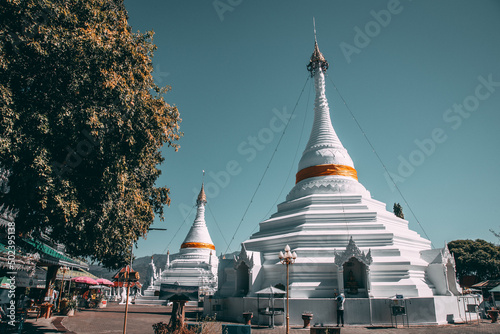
(380,160)
(222,235)
(267,167)
(291,165)
(182,224)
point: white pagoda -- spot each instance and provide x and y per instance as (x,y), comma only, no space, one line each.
(196,264)
(346,242)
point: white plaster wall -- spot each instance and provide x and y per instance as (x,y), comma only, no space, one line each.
(430,311)
(437,276)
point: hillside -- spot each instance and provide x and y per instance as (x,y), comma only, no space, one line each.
(140,264)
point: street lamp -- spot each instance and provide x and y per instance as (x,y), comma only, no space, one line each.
(61,290)
(128,278)
(287,259)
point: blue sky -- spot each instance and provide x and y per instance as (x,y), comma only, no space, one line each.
(422,78)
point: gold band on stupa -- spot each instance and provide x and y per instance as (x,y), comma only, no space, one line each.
(197,245)
(325,170)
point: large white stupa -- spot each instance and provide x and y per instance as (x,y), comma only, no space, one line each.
(346,241)
(196,264)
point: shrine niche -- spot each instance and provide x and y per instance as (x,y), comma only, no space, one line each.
(242,279)
(353,265)
(355,275)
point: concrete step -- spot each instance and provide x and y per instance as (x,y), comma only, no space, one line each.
(141,301)
(149,297)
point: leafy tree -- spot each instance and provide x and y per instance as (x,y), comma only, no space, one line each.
(398,210)
(82,124)
(479,258)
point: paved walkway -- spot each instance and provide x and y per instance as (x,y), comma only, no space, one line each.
(141,318)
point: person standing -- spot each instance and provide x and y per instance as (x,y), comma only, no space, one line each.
(340,309)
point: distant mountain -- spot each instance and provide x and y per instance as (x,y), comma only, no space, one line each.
(101,272)
(140,264)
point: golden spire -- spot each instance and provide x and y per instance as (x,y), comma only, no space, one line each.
(317,56)
(202,198)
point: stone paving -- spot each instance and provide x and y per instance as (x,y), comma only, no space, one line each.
(141,318)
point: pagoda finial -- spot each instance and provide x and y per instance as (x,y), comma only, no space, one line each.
(314,26)
(202,198)
(317,59)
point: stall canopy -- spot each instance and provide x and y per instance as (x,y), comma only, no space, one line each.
(489,284)
(69,274)
(270,291)
(22,261)
(104,281)
(51,256)
(486,286)
(270,309)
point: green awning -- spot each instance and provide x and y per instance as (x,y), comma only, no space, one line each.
(69,274)
(47,250)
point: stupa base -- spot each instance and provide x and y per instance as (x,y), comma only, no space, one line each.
(436,310)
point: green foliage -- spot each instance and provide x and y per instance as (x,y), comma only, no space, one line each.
(82,124)
(70,305)
(478,257)
(398,210)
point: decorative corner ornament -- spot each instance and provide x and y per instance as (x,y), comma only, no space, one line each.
(447,256)
(353,251)
(243,257)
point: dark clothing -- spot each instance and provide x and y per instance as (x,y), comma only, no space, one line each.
(340,317)
(340,309)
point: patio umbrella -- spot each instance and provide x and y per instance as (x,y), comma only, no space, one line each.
(104,281)
(270,291)
(84,279)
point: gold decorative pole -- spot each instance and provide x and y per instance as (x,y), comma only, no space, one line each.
(287,259)
(287,302)
(63,269)
(129,279)
(126,277)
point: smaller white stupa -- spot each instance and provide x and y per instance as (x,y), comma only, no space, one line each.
(196,264)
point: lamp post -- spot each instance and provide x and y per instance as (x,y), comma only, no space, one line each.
(287,259)
(61,290)
(128,278)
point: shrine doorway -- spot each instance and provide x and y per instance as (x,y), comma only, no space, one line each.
(242,279)
(355,278)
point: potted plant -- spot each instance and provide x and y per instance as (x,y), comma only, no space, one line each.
(70,307)
(307,317)
(63,303)
(493,313)
(161,328)
(247,316)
